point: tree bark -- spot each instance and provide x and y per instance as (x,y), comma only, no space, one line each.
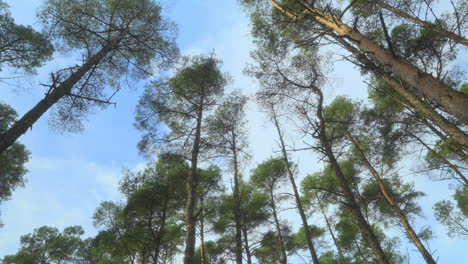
(190,220)
(350,198)
(414,101)
(27,120)
(237,211)
(247,247)
(453,101)
(284,258)
(305,225)
(388,197)
(160,232)
(442,31)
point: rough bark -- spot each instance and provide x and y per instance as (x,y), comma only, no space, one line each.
(413,100)
(305,224)
(237,211)
(453,101)
(389,198)
(284,258)
(190,220)
(160,233)
(434,27)
(351,202)
(27,120)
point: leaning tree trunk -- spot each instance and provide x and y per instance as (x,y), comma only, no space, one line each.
(21,126)
(247,247)
(190,220)
(237,211)
(453,101)
(352,204)
(413,101)
(305,225)
(388,197)
(284,258)
(436,28)
(330,229)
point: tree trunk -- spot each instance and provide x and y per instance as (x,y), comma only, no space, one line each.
(27,120)
(202,235)
(237,211)
(383,189)
(284,258)
(160,232)
(442,31)
(247,247)
(305,225)
(414,101)
(332,234)
(454,102)
(190,220)
(350,198)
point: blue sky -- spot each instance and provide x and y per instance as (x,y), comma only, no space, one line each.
(70,174)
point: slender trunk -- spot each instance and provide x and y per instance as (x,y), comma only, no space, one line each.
(453,101)
(332,234)
(190,220)
(414,101)
(383,189)
(462,178)
(160,232)
(305,225)
(440,30)
(237,211)
(27,120)
(202,233)
(247,247)
(350,198)
(284,258)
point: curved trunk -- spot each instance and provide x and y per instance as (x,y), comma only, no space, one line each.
(190,220)
(453,101)
(388,197)
(27,120)
(350,198)
(305,225)
(284,257)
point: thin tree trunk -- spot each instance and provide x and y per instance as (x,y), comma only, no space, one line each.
(462,179)
(247,247)
(453,101)
(414,101)
(383,189)
(160,232)
(350,198)
(237,211)
(305,225)
(202,233)
(190,220)
(27,120)
(332,234)
(442,31)
(284,258)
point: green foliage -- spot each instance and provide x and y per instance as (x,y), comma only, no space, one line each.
(179,103)
(454,220)
(269,173)
(13,160)
(464,88)
(21,46)
(48,245)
